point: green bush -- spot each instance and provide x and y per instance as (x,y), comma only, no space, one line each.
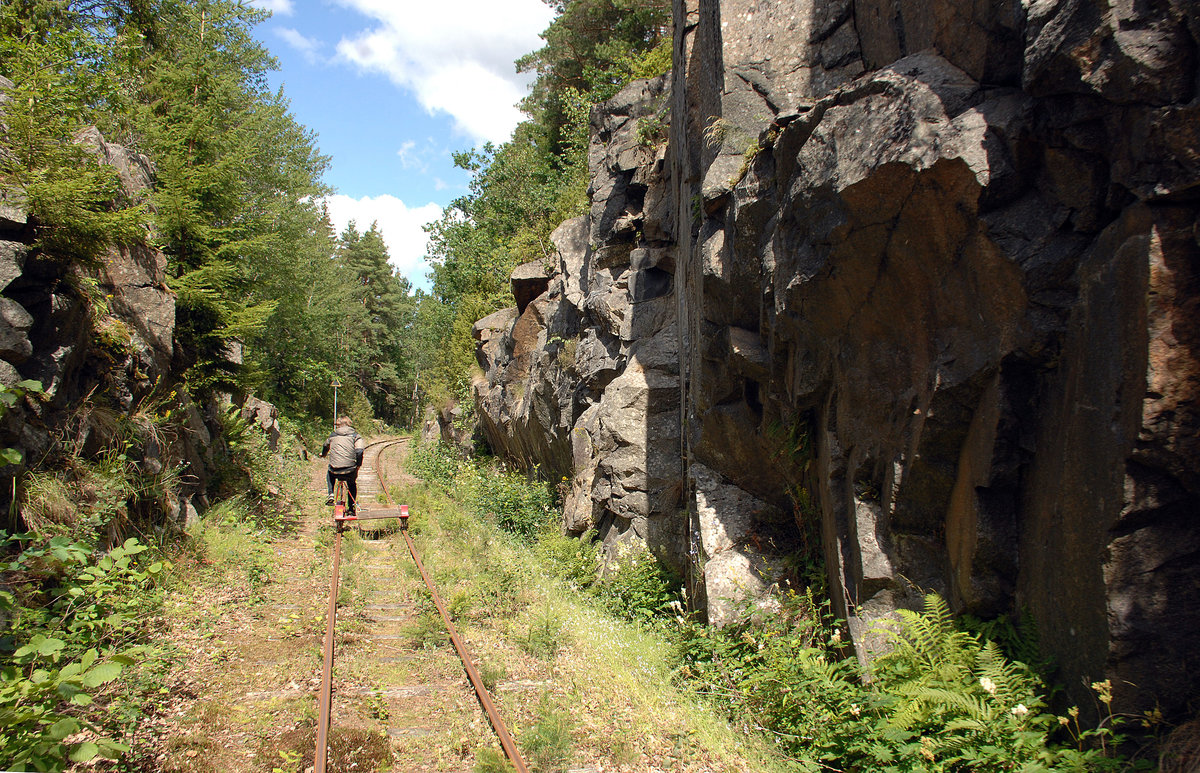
(547,743)
(488,489)
(574,561)
(74,618)
(939,701)
(519,507)
(635,585)
(266,483)
(437,464)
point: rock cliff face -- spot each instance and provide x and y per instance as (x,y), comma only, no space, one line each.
(583,375)
(99,339)
(920,278)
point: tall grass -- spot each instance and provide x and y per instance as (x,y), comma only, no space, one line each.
(944,699)
(532,607)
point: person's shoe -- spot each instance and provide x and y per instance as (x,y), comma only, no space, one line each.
(329,499)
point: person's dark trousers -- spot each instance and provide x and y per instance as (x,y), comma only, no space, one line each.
(351,479)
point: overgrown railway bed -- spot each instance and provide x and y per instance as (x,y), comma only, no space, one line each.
(375,507)
(244,697)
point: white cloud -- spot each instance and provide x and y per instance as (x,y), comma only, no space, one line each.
(409,159)
(400,225)
(457,60)
(307,46)
(278,7)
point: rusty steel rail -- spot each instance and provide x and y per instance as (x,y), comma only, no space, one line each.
(325,699)
(507,742)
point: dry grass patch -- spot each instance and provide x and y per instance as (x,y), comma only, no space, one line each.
(578,687)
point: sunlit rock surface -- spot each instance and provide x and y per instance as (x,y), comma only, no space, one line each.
(912,290)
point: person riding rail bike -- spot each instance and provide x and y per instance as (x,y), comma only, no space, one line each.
(345,450)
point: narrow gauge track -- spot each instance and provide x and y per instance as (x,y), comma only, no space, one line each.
(390,510)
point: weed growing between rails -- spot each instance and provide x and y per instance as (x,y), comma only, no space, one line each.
(580,685)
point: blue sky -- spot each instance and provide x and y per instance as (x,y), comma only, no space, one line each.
(392,88)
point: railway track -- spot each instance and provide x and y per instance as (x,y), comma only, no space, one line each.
(385,614)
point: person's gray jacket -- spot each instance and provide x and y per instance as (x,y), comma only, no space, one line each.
(345,449)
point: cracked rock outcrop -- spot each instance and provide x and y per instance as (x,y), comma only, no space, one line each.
(100,340)
(912,291)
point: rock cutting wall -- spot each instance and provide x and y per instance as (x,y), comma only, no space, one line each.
(582,375)
(100,340)
(919,277)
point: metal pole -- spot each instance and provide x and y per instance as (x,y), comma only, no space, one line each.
(335,384)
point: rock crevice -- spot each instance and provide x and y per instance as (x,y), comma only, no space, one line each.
(920,279)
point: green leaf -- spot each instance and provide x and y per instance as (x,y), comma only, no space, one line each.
(85,752)
(11,455)
(64,727)
(29,385)
(112,750)
(82,699)
(102,674)
(40,645)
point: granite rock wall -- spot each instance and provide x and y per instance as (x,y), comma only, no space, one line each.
(99,339)
(915,283)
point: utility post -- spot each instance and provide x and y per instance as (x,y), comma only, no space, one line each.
(335,384)
(415,399)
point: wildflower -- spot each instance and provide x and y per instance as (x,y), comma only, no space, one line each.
(988,685)
(1020,710)
(837,638)
(1064,721)
(855,710)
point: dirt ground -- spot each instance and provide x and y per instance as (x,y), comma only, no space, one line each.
(244,697)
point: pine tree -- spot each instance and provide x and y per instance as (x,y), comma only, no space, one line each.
(62,77)
(232,163)
(376,354)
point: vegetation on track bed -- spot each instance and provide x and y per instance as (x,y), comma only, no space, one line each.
(627,670)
